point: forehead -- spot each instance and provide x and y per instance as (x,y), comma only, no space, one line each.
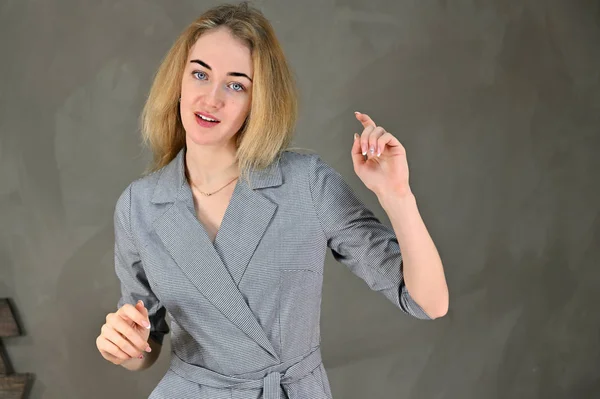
(222,51)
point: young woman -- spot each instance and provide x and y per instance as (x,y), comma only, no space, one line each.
(229,233)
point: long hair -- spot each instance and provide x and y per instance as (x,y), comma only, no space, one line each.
(269,127)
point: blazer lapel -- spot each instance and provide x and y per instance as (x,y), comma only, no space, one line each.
(216,270)
(245,222)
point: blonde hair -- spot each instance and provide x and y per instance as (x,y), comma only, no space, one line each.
(269,127)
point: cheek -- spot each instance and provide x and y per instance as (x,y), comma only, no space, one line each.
(239,108)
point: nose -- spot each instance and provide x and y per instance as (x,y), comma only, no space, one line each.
(213,97)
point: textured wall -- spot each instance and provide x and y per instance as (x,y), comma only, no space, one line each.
(497,103)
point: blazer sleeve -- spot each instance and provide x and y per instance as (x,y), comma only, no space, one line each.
(130,270)
(358,239)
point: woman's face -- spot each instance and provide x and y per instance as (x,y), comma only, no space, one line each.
(216,84)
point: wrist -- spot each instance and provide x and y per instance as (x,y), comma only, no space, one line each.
(395,196)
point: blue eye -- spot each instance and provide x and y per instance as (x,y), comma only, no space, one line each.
(196,72)
(241,87)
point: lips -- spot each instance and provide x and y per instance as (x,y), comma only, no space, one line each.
(208,116)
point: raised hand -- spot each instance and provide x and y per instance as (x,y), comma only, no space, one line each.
(386,167)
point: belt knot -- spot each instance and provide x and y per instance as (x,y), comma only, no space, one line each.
(271,384)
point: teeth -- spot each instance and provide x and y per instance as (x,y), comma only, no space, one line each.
(206,119)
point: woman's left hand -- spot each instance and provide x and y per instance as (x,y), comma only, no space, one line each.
(383,173)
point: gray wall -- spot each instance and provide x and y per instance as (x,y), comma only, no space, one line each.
(497,103)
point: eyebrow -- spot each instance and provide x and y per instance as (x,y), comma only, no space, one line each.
(205,65)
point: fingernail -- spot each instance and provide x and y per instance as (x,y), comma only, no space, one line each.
(355,136)
(148,349)
(356,112)
(371,150)
(141,356)
(146,324)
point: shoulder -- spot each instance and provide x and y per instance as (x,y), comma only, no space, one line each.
(322,179)
(139,189)
(292,158)
(306,163)
(311,164)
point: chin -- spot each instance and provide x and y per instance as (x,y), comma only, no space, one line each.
(200,136)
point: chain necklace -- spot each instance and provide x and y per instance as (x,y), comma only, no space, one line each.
(209,194)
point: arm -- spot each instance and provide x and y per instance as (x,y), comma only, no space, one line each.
(134,282)
(422,266)
(358,239)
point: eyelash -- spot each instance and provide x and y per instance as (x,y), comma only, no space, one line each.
(241,85)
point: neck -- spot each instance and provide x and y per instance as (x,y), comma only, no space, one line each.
(208,165)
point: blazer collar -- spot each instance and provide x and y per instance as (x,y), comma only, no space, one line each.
(172,178)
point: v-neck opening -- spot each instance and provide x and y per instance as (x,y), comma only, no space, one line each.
(223,220)
(188,198)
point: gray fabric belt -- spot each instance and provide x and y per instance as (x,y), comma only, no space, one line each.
(270,379)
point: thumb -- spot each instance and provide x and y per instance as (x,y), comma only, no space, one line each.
(141,308)
(358,158)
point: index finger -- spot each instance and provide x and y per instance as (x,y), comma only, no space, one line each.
(130,312)
(365,119)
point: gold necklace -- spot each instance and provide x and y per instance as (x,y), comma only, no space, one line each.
(209,194)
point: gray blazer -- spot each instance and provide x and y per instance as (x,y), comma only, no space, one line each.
(245,310)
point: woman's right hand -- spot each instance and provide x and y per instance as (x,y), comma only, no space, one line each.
(125,334)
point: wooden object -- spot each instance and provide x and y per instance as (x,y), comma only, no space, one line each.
(12,386)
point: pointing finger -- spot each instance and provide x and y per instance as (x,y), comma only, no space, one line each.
(365,119)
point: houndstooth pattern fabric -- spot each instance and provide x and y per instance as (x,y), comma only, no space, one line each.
(245,309)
